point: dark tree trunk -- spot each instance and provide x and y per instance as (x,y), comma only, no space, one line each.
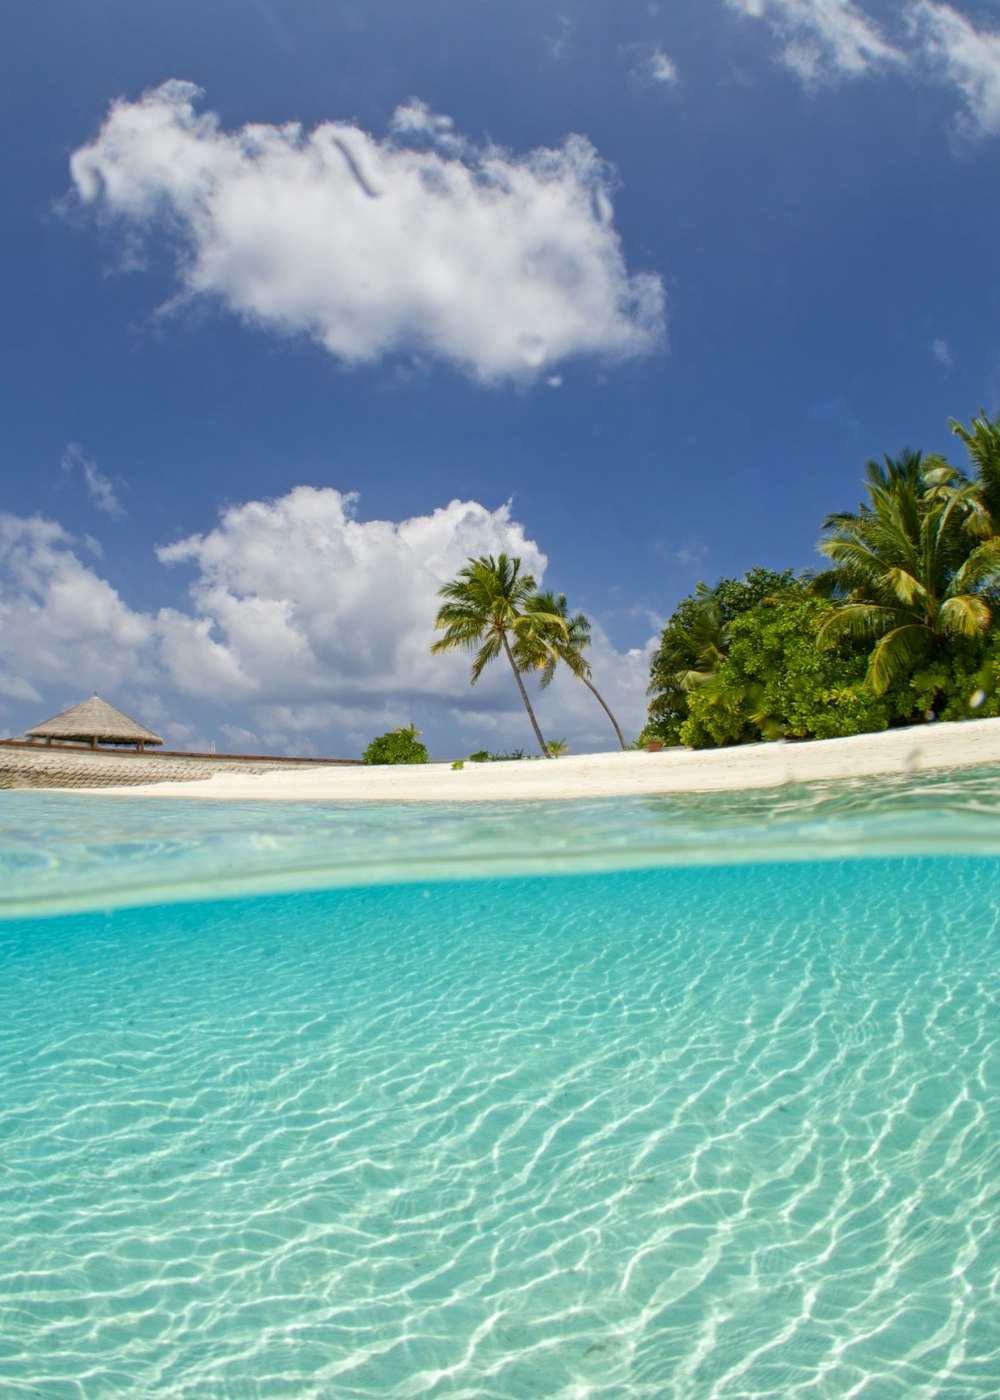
(524,695)
(601,701)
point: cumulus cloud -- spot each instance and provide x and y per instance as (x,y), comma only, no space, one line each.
(305,628)
(99,487)
(419,243)
(568,708)
(296,601)
(966,56)
(823,39)
(60,623)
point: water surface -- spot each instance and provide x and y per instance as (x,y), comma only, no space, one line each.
(723,1122)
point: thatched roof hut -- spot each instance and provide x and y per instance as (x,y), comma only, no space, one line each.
(96,721)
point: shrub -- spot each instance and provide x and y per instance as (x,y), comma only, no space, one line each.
(696,638)
(398,746)
(775,681)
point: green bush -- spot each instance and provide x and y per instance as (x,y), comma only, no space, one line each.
(775,682)
(696,637)
(964,685)
(398,746)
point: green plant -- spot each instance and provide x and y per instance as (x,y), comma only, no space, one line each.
(487,605)
(555,747)
(913,568)
(559,637)
(458,765)
(480,756)
(695,641)
(775,682)
(398,746)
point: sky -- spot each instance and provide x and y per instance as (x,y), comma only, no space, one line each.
(304,303)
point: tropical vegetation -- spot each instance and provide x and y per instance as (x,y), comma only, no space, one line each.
(491,607)
(564,639)
(901,627)
(400,745)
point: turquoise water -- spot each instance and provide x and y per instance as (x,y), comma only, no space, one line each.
(712,1111)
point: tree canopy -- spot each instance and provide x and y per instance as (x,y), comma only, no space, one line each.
(542,647)
(901,627)
(488,603)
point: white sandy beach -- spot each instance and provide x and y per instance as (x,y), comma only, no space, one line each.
(970,744)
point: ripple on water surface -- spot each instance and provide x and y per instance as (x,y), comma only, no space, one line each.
(60,853)
(693,1132)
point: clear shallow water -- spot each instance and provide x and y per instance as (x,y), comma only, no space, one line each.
(65,852)
(700,1130)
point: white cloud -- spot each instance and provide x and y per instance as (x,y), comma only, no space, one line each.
(941,351)
(653,65)
(965,56)
(296,602)
(99,488)
(823,38)
(419,243)
(662,68)
(414,122)
(568,708)
(60,623)
(307,629)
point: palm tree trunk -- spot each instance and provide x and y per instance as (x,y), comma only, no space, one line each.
(524,695)
(601,701)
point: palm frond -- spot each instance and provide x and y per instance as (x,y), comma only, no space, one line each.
(906,588)
(980,570)
(487,653)
(964,615)
(864,620)
(895,653)
(982,442)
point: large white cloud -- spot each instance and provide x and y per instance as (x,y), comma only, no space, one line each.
(966,56)
(418,243)
(823,38)
(295,601)
(61,624)
(307,629)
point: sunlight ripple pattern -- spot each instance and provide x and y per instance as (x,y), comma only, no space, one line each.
(676,1133)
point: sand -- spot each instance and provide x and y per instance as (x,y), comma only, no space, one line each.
(970,744)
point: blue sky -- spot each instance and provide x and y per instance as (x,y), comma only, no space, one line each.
(305,302)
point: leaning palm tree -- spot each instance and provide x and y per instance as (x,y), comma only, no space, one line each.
(909,574)
(487,604)
(982,442)
(543,647)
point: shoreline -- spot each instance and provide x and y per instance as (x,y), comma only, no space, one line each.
(899,752)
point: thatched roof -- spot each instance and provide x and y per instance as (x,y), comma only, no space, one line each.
(97,721)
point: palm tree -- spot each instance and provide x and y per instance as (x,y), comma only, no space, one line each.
(908,571)
(695,642)
(982,442)
(565,639)
(706,639)
(489,602)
